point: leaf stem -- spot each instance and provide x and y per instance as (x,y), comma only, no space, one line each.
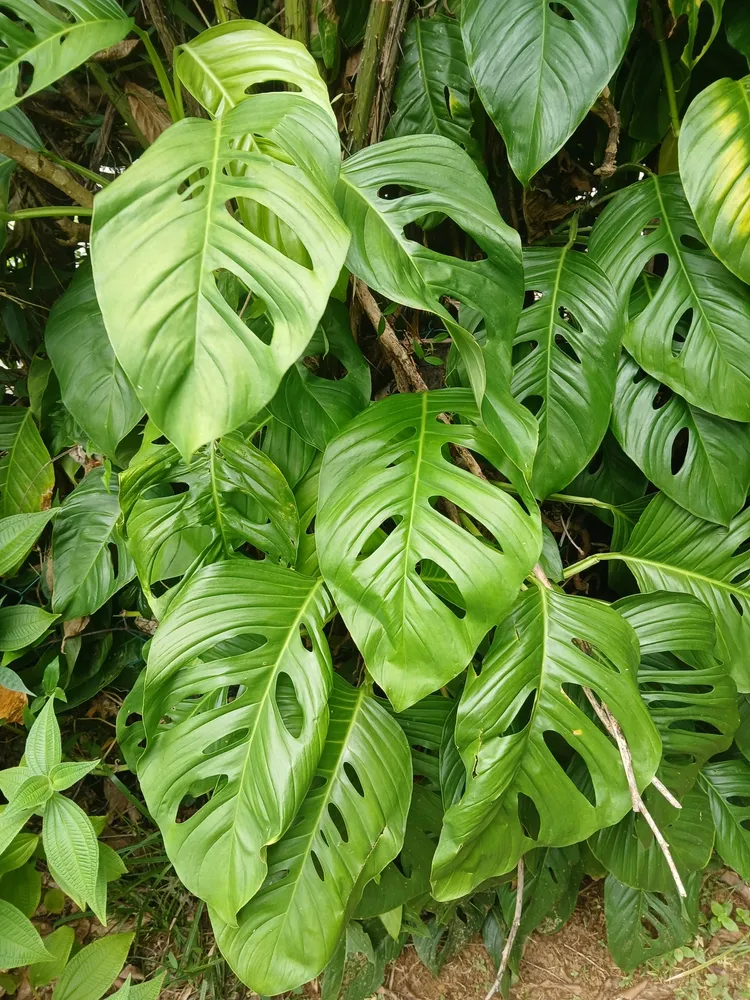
(297,20)
(661,41)
(119,100)
(588,562)
(90,175)
(161,73)
(46,212)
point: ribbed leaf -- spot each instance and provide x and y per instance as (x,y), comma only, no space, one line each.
(549,648)
(388,470)
(699,460)
(694,335)
(71,848)
(349,827)
(58,944)
(52,44)
(728,785)
(85,572)
(17,536)
(434,87)
(565,353)
(241,623)
(22,624)
(28,476)
(93,385)
(670,549)
(20,943)
(162,230)
(93,969)
(538,71)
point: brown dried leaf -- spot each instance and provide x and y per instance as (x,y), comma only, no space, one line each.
(12,704)
(149,111)
(119,51)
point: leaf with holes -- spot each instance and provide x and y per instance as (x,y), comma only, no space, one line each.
(349,827)
(254,630)
(694,335)
(164,225)
(540,66)
(643,925)
(690,11)
(91,561)
(699,460)
(434,88)
(51,43)
(565,360)
(422,176)
(313,398)
(390,470)
(671,549)
(514,719)
(93,385)
(27,476)
(715,166)
(728,785)
(177,512)
(669,622)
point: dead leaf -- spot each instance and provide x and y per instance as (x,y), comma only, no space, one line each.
(12,704)
(119,51)
(150,112)
(146,625)
(47,499)
(73,627)
(104,706)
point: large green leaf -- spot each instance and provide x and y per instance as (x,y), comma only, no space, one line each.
(690,11)
(229,61)
(566,349)
(176,512)
(20,943)
(27,473)
(424,173)
(715,168)
(93,385)
(671,549)
(242,623)
(349,827)
(666,622)
(706,361)
(389,469)
(22,624)
(737,26)
(538,70)
(515,718)
(93,969)
(643,925)
(699,460)
(85,539)
(53,44)
(17,536)
(728,785)
(315,406)
(434,87)
(161,231)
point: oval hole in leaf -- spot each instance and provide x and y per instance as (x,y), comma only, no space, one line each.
(680,446)
(289,706)
(528,814)
(533,404)
(317,866)
(353,777)
(338,821)
(692,242)
(662,397)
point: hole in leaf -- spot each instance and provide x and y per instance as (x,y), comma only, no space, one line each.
(245,642)
(662,397)
(562,11)
(530,297)
(738,607)
(353,777)
(338,821)
(533,404)
(191,187)
(318,782)
(680,332)
(528,814)
(443,586)
(568,317)
(639,376)
(226,743)
(692,242)
(566,347)
(589,649)
(317,866)
(651,226)
(376,538)
(658,265)
(739,801)
(680,449)
(521,714)
(289,706)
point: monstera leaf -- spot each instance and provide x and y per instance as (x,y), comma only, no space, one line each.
(690,11)
(231,493)
(85,573)
(728,785)
(548,648)
(643,925)
(382,518)
(164,226)
(666,622)
(52,45)
(424,175)
(434,87)
(694,335)
(318,407)
(254,753)
(699,460)
(538,69)
(349,827)
(714,165)
(229,61)
(93,385)
(670,549)
(566,348)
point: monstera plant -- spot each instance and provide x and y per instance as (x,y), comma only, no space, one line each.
(406,428)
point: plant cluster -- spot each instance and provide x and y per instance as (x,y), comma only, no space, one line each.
(310,456)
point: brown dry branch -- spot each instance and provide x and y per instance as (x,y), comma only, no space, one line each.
(511,938)
(605,109)
(51,172)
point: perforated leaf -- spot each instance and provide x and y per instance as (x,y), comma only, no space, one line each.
(728,785)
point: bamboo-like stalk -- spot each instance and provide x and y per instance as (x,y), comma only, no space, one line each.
(367,75)
(297,20)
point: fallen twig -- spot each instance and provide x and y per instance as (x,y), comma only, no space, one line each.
(605,109)
(511,938)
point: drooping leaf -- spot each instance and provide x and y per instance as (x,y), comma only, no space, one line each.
(17,536)
(199,370)
(27,474)
(349,827)
(235,623)
(23,624)
(85,573)
(93,969)
(694,335)
(229,494)
(93,385)
(434,87)
(699,460)
(20,943)
(728,785)
(714,165)
(545,651)
(671,549)
(565,353)
(388,470)
(538,70)
(315,406)
(51,43)
(643,925)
